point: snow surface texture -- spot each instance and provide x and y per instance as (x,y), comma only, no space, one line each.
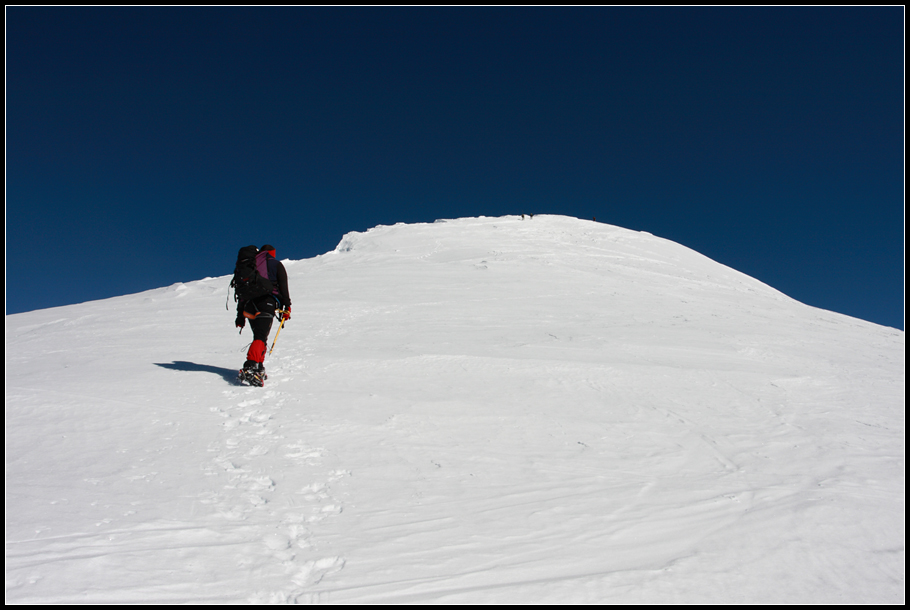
(483,410)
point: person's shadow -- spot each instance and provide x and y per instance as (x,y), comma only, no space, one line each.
(229,375)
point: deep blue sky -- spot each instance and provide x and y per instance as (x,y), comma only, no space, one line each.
(146,145)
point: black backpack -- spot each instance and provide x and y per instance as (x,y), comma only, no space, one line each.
(248,283)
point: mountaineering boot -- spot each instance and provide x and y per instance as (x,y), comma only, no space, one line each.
(252,373)
(260,371)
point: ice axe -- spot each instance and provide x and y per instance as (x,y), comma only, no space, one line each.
(283,319)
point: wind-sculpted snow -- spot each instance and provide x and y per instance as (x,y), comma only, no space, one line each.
(487,410)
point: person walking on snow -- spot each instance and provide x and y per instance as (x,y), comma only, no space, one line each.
(261,310)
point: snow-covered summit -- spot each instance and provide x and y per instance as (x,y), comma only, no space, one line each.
(475,410)
(544,240)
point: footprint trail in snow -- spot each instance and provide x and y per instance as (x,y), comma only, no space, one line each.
(286,514)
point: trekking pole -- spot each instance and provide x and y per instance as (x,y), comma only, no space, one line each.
(277,333)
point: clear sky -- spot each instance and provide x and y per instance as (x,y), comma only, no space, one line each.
(145,146)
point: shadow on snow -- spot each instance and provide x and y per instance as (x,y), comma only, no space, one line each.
(229,375)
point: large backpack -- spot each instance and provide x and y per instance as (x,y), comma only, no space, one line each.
(248,283)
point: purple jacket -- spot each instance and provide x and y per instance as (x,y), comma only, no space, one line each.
(268,267)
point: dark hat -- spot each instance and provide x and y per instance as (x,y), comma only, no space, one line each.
(266,248)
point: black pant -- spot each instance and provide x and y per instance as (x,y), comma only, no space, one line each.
(261,325)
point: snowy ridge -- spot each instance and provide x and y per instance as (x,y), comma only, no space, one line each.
(475,410)
(587,246)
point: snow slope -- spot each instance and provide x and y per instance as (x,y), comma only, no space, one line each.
(486,410)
